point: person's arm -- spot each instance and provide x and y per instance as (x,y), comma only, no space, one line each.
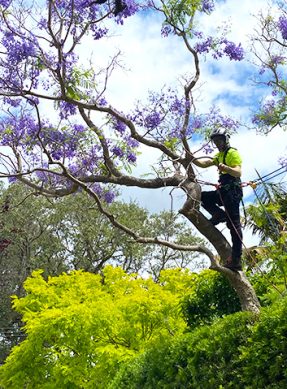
(234,171)
(203,161)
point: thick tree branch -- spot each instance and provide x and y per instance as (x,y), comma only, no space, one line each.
(130,232)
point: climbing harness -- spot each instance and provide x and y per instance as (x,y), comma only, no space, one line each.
(254,183)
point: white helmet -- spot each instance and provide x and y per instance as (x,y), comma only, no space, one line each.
(220,132)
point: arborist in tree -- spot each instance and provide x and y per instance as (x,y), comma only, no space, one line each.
(228,193)
(119,5)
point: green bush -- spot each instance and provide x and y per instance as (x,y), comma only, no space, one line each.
(264,358)
(238,351)
(211,298)
(205,358)
(269,285)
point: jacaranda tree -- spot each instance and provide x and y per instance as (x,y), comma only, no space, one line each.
(60,134)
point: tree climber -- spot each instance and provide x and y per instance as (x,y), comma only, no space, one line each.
(119,5)
(228,193)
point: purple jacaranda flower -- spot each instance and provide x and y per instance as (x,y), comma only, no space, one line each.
(153,120)
(43,23)
(282,25)
(117,151)
(33,100)
(266,114)
(197,122)
(13,102)
(234,52)
(215,119)
(133,143)
(78,128)
(277,60)
(178,106)
(102,102)
(207,6)
(131,157)
(130,9)
(57,155)
(204,47)
(109,197)
(12,179)
(218,47)
(18,49)
(166,30)
(198,34)
(208,149)
(120,126)
(5,3)
(67,109)
(98,32)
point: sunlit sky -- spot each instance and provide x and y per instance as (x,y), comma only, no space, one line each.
(152,61)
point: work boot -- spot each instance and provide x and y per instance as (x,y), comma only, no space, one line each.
(218,218)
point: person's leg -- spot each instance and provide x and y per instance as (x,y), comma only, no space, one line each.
(210,202)
(232,203)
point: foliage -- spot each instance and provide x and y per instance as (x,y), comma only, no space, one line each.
(121,331)
(267,217)
(81,327)
(211,297)
(68,233)
(264,356)
(205,358)
(267,285)
(71,233)
(237,351)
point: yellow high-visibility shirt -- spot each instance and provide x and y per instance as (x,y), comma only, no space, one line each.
(232,158)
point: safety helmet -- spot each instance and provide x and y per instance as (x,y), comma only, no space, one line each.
(220,132)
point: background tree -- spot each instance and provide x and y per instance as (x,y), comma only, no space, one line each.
(70,233)
(267,218)
(81,327)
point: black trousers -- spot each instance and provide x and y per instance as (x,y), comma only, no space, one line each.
(230,200)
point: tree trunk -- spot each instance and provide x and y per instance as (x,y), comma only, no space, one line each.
(238,280)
